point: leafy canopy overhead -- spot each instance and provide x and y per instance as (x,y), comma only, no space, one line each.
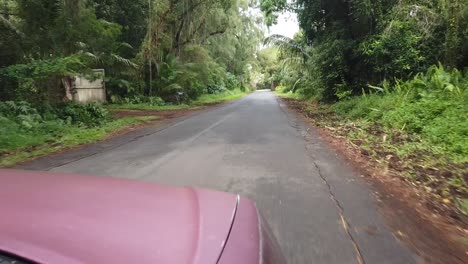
(351,44)
(141,44)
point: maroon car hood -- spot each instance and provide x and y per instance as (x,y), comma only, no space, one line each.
(55,218)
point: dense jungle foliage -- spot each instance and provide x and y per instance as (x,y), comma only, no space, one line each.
(389,76)
(151,48)
(346,45)
(157,55)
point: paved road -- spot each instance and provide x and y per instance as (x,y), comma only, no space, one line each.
(255,147)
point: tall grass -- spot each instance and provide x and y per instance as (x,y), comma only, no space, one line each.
(433,105)
(224,96)
(27,131)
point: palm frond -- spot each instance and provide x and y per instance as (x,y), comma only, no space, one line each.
(10,26)
(173,86)
(292,61)
(89,57)
(295,84)
(123,46)
(121,60)
(81,45)
(287,45)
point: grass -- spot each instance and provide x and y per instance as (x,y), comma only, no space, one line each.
(30,145)
(285,93)
(440,123)
(35,136)
(148,107)
(205,99)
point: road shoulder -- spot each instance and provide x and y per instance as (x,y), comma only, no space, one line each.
(430,237)
(117,138)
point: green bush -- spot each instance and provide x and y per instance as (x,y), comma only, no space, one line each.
(433,105)
(195,72)
(92,114)
(21,113)
(232,82)
(139,99)
(27,116)
(13,109)
(215,89)
(22,125)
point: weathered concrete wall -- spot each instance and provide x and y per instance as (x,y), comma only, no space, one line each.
(87,91)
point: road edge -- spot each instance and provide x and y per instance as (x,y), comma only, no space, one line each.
(65,156)
(403,220)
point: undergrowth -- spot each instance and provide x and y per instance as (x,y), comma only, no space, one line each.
(27,131)
(138,103)
(227,95)
(433,106)
(418,128)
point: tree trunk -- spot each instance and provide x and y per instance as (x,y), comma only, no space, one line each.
(67,83)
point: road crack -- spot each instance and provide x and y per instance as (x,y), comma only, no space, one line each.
(292,121)
(345,224)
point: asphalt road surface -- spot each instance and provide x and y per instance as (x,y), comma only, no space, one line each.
(319,208)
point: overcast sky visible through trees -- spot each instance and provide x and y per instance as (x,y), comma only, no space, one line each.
(287,25)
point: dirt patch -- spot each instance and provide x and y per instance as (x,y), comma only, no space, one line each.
(162,115)
(159,117)
(427,227)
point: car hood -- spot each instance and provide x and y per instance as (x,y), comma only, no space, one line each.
(58,218)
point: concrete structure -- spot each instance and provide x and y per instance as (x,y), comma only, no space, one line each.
(89,90)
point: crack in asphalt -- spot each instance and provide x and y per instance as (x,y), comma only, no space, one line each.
(344,222)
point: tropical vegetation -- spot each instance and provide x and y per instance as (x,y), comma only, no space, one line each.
(390,76)
(158,55)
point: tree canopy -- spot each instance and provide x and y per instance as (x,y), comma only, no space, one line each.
(351,44)
(146,47)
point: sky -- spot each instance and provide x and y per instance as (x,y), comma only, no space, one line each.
(287,25)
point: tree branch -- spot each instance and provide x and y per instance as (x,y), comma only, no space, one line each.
(9,25)
(214,33)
